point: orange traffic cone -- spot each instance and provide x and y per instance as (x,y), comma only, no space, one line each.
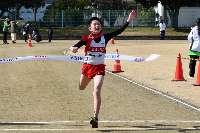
(29,42)
(117,66)
(179,70)
(112,41)
(198,76)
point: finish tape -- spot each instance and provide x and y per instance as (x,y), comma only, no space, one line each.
(80,58)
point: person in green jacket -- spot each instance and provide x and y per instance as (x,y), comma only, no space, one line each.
(13,30)
(5,30)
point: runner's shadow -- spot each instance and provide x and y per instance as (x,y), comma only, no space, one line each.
(197,127)
(117,130)
(114,130)
(185,130)
(164,125)
(113,126)
(77,125)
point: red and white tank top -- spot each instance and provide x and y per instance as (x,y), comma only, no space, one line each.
(96,52)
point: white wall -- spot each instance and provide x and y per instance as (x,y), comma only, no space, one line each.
(188,15)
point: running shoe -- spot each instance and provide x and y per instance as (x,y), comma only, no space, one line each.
(190,76)
(94,122)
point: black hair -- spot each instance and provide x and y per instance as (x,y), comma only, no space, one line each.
(162,21)
(198,24)
(93,18)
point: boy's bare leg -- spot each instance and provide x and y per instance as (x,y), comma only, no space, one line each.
(84,80)
(98,81)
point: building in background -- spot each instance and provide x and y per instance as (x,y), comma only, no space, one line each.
(187,15)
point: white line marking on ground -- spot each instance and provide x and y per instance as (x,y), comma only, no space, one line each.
(154,128)
(159,92)
(133,121)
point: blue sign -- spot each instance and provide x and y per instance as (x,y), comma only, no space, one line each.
(8,60)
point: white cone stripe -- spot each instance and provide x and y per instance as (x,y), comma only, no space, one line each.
(117,64)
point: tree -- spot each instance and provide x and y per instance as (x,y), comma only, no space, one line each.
(71,12)
(7,5)
(113,6)
(175,3)
(34,4)
(147,19)
(70,4)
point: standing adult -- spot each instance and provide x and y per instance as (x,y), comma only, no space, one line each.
(13,30)
(5,30)
(101,22)
(50,33)
(25,31)
(162,30)
(194,48)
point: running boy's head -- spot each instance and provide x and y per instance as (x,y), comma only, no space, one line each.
(94,25)
(162,21)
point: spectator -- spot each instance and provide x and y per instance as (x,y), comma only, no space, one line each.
(101,22)
(36,35)
(194,48)
(5,30)
(13,30)
(25,31)
(50,33)
(162,30)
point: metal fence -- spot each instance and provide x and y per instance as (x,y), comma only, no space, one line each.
(110,18)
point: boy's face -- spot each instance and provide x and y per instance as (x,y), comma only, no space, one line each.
(95,27)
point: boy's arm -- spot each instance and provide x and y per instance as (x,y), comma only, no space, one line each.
(131,16)
(75,48)
(122,28)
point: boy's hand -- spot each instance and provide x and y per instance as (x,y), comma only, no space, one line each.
(73,49)
(131,16)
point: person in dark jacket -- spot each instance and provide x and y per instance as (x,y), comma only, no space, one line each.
(36,35)
(50,33)
(25,31)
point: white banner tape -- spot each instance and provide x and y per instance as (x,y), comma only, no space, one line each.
(80,58)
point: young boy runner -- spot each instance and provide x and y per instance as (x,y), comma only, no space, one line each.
(94,68)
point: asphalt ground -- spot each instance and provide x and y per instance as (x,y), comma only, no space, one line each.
(43,95)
